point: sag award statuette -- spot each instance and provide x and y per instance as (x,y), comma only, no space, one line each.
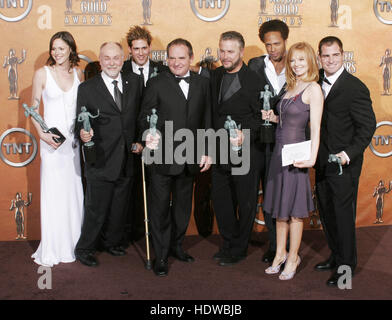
(153,120)
(88,148)
(29,111)
(267,130)
(231,126)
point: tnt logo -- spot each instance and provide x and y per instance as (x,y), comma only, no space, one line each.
(381,144)
(15,10)
(18,147)
(383,10)
(210,10)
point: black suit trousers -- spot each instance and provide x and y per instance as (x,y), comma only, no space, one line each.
(106,205)
(337,199)
(228,193)
(169,225)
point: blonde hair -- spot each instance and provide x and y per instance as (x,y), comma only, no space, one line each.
(310,56)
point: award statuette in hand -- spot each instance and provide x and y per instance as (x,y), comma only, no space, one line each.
(231,126)
(266,132)
(153,120)
(88,148)
(29,111)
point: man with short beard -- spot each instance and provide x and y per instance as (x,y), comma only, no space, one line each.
(235,89)
(271,70)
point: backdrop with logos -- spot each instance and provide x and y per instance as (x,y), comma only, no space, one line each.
(27,25)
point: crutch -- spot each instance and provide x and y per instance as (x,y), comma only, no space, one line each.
(148,263)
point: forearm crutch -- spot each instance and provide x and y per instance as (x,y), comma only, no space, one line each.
(148,262)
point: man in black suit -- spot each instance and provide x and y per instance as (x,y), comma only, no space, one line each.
(139,45)
(182,101)
(347,127)
(271,70)
(117,97)
(235,90)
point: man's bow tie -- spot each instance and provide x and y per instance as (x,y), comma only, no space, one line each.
(327,81)
(183,78)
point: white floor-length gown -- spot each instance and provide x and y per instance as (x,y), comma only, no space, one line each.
(61,185)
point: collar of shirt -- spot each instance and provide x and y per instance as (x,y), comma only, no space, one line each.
(184,85)
(332,79)
(109,82)
(146,69)
(277,80)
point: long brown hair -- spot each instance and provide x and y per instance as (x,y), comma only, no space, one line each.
(70,41)
(310,56)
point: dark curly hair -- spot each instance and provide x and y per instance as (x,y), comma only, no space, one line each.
(138,33)
(274,25)
(70,41)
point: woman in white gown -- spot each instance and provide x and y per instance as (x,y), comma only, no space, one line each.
(61,186)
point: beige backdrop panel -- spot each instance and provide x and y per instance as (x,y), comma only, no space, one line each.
(366,40)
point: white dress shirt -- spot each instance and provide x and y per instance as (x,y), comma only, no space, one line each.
(185,85)
(277,80)
(332,79)
(146,69)
(109,83)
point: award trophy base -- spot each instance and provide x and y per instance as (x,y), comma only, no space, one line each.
(267,133)
(89,154)
(57,133)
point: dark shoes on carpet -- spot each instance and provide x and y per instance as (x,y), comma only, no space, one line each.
(182,256)
(327,265)
(232,260)
(116,251)
(161,267)
(223,253)
(87,259)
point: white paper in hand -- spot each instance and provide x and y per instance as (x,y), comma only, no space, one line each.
(295,151)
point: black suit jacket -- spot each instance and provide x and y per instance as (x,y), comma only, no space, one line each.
(347,124)
(165,95)
(241,101)
(153,66)
(114,130)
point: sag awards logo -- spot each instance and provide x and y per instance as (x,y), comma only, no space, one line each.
(87,13)
(349,62)
(15,10)
(386,61)
(341,15)
(382,10)
(18,147)
(210,10)
(285,10)
(382,141)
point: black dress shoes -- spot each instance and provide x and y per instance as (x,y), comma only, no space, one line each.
(333,280)
(161,267)
(223,253)
(231,260)
(330,264)
(182,256)
(87,259)
(116,251)
(269,256)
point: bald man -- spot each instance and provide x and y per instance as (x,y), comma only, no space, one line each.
(117,97)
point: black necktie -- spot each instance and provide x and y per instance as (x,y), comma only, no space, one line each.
(141,73)
(327,81)
(187,79)
(117,94)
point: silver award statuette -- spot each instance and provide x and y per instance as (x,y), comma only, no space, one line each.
(267,131)
(88,148)
(153,120)
(29,111)
(231,126)
(335,159)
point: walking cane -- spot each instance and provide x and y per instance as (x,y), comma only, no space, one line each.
(148,263)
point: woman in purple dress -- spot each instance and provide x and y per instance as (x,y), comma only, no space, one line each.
(288,195)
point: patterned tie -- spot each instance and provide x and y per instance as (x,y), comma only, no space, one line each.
(142,74)
(117,94)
